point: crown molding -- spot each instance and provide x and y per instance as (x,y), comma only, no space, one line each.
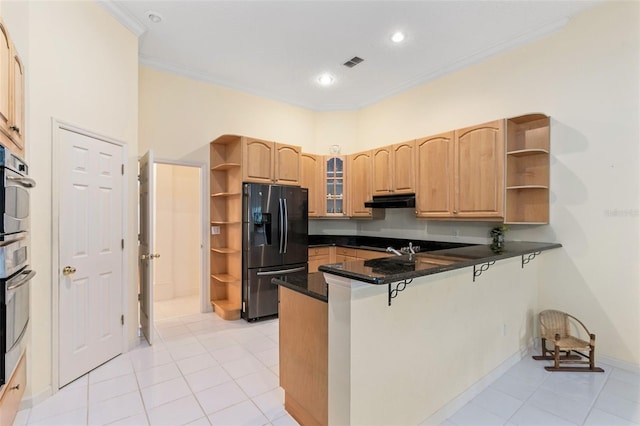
(125,18)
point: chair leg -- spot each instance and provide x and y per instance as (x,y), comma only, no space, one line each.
(556,357)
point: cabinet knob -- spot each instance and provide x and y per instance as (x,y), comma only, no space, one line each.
(15,129)
(455,212)
(16,387)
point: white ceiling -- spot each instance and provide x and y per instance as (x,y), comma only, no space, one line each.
(276,49)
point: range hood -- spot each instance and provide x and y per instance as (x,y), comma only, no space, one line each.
(398,201)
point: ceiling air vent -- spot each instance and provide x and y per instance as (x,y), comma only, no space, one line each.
(353,62)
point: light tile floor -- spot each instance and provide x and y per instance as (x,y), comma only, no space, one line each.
(202,370)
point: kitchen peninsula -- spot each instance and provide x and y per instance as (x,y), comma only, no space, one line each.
(405,335)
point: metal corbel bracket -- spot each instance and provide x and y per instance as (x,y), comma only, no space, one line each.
(529,257)
(477,271)
(398,288)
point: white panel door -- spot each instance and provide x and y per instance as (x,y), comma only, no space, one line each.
(146,244)
(91,254)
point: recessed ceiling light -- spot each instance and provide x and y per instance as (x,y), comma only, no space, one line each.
(397,37)
(326,79)
(154,17)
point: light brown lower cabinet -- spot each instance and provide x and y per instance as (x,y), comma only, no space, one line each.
(11,393)
(319,256)
(304,357)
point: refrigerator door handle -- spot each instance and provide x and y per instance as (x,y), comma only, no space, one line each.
(286,225)
(281,271)
(281,228)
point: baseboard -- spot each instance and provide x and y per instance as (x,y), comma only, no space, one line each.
(33,400)
(461,400)
(623,365)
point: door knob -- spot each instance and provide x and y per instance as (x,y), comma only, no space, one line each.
(68,270)
(149,256)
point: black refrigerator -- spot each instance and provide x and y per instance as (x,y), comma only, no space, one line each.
(274,244)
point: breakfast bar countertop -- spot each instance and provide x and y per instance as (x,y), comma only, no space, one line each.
(399,268)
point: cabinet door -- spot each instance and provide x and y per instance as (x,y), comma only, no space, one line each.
(258,161)
(382,170)
(311,178)
(5,66)
(403,168)
(479,165)
(17,110)
(287,164)
(334,172)
(359,184)
(435,177)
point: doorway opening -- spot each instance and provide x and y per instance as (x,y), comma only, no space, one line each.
(178,288)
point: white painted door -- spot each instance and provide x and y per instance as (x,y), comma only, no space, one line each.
(146,245)
(91,253)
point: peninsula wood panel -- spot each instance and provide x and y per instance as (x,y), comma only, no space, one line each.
(360,188)
(311,177)
(479,170)
(435,176)
(304,356)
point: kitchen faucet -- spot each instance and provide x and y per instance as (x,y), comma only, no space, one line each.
(394,251)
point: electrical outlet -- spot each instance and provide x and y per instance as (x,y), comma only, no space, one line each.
(215,230)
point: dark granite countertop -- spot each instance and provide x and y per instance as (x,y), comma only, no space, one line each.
(312,285)
(399,268)
(378,243)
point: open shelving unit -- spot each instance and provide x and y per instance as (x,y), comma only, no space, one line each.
(226,226)
(527,169)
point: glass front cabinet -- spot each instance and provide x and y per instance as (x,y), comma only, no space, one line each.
(335,186)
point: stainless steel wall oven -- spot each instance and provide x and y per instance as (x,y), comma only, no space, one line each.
(15,274)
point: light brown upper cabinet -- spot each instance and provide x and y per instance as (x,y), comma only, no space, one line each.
(270,162)
(360,188)
(479,171)
(394,169)
(461,173)
(435,176)
(12,78)
(311,178)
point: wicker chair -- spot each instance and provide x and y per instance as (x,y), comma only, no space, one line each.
(555,327)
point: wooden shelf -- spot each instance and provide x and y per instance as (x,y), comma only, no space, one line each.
(225,250)
(225,278)
(226,309)
(226,211)
(225,166)
(226,194)
(527,187)
(527,152)
(527,169)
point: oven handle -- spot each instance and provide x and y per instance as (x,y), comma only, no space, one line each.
(29,274)
(21,180)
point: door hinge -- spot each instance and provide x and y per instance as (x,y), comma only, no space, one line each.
(122,169)
(139,297)
(122,319)
(122,243)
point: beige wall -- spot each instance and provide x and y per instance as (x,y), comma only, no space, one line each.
(586,80)
(178,227)
(81,68)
